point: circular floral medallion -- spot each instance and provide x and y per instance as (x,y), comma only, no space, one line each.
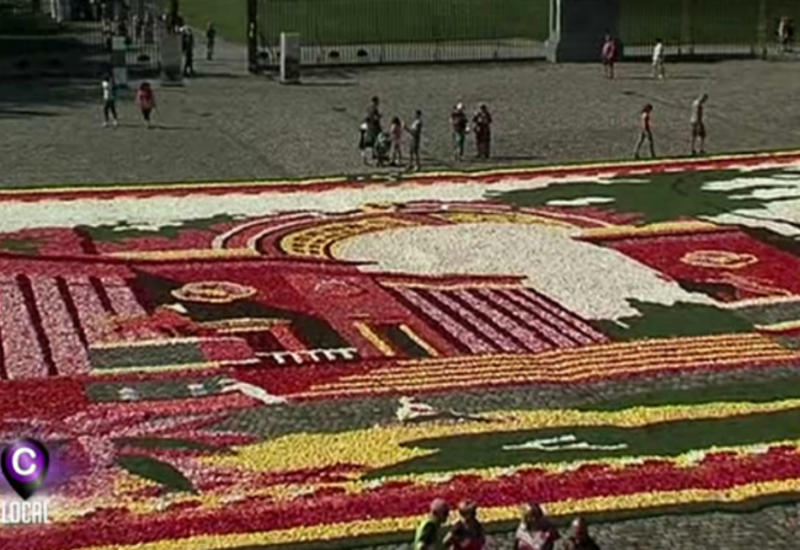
(719,259)
(213,292)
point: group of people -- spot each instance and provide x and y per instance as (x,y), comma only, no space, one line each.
(145,100)
(386,148)
(610,54)
(187,46)
(697,122)
(535,531)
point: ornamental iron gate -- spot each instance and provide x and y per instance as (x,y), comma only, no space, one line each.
(362,32)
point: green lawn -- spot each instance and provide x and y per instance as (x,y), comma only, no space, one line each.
(339,22)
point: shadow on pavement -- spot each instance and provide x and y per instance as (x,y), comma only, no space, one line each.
(331,84)
(32,45)
(20,113)
(31,97)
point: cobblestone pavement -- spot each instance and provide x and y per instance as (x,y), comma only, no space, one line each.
(228,125)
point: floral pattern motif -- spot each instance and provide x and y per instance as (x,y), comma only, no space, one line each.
(235,426)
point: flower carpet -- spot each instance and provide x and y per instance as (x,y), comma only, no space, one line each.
(249,365)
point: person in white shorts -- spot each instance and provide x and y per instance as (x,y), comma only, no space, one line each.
(658,60)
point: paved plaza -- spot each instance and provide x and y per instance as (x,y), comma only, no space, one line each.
(227,125)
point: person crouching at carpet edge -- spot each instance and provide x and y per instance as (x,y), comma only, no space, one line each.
(467,533)
(431,531)
(535,532)
(579,538)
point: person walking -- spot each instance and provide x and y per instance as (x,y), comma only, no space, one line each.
(373,120)
(785,33)
(698,124)
(460,123)
(609,56)
(482,122)
(646,132)
(396,137)
(146,99)
(535,531)
(430,533)
(211,38)
(416,141)
(188,51)
(658,60)
(109,102)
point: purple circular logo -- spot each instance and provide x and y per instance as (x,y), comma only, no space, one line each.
(24,463)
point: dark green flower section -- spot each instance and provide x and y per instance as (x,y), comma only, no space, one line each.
(157,471)
(657,197)
(21,246)
(123,231)
(152,390)
(142,357)
(779,389)
(556,445)
(680,319)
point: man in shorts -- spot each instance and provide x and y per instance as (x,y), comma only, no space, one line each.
(658,60)
(698,124)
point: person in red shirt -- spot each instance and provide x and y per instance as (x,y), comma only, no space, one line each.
(467,533)
(646,132)
(609,56)
(146,99)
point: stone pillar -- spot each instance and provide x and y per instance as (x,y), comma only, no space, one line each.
(290,58)
(171,57)
(578,27)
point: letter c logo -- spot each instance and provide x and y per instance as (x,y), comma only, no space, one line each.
(15,462)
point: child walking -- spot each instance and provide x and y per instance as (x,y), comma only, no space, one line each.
(363,143)
(146,100)
(109,102)
(396,136)
(646,133)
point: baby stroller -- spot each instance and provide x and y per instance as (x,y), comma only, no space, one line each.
(381,148)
